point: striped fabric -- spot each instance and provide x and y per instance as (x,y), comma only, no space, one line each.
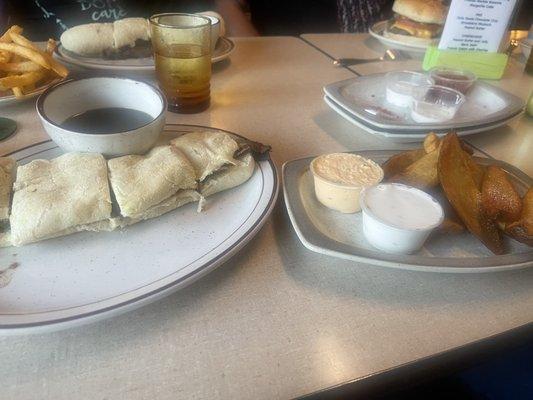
(359,15)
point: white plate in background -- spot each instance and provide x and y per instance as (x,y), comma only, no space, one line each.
(485,104)
(12,99)
(222,51)
(377,30)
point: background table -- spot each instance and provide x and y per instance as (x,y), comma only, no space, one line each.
(277,320)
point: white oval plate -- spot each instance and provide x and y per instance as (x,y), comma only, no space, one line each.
(12,99)
(88,276)
(341,235)
(376,31)
(222,51)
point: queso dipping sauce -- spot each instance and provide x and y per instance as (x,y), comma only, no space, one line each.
(399,218)
(101,121)
(340,177)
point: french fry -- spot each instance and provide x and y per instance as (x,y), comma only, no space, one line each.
(51,62)
(17,91)
(25,79)
(51,46)
(6,38)
(25,52)
(57,67)
(28,88)
(22,41)
(20,67)
(23,64)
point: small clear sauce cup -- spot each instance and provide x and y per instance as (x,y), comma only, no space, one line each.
(435,104)
(400,86)
(460,80)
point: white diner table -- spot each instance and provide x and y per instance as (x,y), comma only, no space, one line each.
(276,321)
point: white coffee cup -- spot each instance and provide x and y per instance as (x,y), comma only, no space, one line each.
(215,30)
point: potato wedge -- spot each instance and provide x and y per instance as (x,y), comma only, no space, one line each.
(522,229)
(431,142)
(500,200)
(449,227)
(452,223)
(455,170)
(475,170)
(398,162)
(422,173)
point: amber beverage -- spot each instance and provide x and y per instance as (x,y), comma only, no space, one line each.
(182,52)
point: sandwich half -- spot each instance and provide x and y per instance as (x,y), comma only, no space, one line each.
(220,162)
(125,38)
(7,173)
(146,186)
(57,197)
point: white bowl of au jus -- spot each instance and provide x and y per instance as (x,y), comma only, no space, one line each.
(398,218)
(108,115)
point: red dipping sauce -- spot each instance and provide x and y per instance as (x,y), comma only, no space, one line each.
(459,80)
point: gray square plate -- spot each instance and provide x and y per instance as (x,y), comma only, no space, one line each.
(410,136)
(341,235)
(485,104)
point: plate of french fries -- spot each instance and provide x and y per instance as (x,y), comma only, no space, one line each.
(26,69)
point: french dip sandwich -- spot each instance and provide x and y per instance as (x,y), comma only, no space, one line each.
(84,192)
(417,21)
(125,38)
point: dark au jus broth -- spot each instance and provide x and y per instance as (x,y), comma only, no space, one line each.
(107,120)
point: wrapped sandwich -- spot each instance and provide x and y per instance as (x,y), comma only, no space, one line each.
(125,38)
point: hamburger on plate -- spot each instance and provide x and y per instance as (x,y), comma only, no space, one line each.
(417,21)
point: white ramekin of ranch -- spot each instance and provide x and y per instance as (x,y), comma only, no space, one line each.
(340,177)
(398,218)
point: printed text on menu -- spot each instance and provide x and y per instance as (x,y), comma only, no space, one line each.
(476,25)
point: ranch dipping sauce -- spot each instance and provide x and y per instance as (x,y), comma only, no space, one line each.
(399,218)
(403,207)
(340,177)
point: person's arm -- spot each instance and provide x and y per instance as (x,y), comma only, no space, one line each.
(237,24)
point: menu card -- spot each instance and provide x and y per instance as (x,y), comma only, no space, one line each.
(476,25)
